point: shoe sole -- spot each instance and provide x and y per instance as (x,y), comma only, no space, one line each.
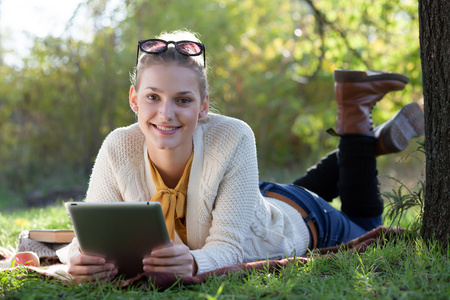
(361,76)
(406,124)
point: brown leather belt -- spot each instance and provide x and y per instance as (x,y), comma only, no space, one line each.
(310,224)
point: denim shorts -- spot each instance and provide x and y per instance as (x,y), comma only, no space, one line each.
(333,226)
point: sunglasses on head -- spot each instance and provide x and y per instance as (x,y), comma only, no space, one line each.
(156,46)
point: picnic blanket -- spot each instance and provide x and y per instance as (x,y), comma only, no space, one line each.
(52,268)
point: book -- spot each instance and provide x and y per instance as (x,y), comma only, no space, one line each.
(52,235)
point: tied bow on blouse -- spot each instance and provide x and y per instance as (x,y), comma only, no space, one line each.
(173,201)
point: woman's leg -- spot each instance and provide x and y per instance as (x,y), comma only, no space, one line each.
(358,182)
(322,178)
(392,136)
(351,172)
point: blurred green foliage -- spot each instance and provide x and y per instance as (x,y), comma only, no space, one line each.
(271,64)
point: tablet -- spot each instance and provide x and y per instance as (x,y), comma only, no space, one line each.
(121,232)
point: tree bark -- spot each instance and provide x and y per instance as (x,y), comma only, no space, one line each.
(434,22)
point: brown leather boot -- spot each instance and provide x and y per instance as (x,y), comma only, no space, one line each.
(356,92)
(394,135)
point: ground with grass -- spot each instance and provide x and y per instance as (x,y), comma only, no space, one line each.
(403,269)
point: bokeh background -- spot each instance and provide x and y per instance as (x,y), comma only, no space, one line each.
(65,67)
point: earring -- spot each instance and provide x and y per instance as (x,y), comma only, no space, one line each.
(135,108)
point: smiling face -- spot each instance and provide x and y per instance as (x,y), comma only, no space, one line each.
(168,103)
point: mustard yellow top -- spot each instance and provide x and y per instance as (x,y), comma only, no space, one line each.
(173,201)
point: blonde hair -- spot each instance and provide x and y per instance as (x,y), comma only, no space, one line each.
(172,57)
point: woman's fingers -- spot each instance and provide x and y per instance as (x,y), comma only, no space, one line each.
(90,269)
(92,273)
(85,267)
(97,277)
(176,259)
(85,259)
(182,269)
(173,251)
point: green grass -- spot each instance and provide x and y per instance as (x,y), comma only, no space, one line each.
(403,269)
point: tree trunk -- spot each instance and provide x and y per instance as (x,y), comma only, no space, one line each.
(434,20)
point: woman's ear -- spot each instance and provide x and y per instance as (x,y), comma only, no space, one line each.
(204,108)
(133,99)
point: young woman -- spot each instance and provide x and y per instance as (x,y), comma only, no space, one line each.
(202,167)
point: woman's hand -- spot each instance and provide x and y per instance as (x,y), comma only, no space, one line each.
(83,268)
(175,259)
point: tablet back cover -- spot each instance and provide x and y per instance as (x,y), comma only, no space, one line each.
(122,232)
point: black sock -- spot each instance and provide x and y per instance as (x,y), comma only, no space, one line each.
(358,183)
(322,179)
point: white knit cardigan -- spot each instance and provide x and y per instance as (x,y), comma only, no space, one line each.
(228,221)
